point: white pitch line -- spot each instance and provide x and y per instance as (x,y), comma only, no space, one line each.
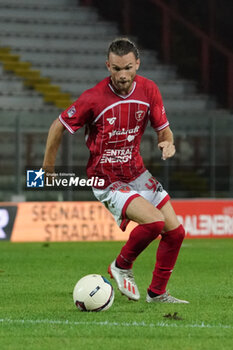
(120,324)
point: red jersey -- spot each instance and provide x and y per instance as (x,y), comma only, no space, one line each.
(115,125)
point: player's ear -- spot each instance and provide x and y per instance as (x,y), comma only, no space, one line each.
(138,62)
(107,65)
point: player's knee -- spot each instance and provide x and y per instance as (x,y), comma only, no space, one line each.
(181,231)
(178,234)
(148,231)
(156,227)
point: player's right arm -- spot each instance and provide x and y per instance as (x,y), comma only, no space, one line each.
(53,142)
(72,119)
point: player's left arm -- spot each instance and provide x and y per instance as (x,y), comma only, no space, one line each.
(166,143)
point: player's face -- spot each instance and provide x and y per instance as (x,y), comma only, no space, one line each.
(123,70)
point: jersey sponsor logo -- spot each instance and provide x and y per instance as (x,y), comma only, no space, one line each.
(111,120)
(116,156)
(129,134)
(71,111)
(131,138)
(139,115)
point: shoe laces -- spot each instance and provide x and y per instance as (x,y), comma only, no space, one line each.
(168,297)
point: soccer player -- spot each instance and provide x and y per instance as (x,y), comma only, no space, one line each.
(115,113)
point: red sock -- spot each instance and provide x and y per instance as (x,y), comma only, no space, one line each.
(166,257)
(140,237)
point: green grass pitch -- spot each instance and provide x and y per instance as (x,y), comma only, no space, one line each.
(37,310)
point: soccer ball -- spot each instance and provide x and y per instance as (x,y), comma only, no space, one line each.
(93,293)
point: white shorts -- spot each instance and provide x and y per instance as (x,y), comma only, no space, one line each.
(117,196)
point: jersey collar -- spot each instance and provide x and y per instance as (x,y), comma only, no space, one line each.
(123,96)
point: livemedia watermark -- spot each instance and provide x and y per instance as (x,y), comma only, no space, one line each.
(39,179)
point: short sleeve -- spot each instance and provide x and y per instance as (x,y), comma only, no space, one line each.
(78,114)
(158,116)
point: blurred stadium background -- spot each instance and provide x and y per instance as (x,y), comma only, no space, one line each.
(51,51)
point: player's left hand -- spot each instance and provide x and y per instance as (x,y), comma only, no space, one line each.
(167,148)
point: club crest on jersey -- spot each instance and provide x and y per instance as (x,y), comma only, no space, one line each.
(139,115)
(125,189)
(111,120)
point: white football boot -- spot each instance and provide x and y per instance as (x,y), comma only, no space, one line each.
(165,298)
(125,281)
